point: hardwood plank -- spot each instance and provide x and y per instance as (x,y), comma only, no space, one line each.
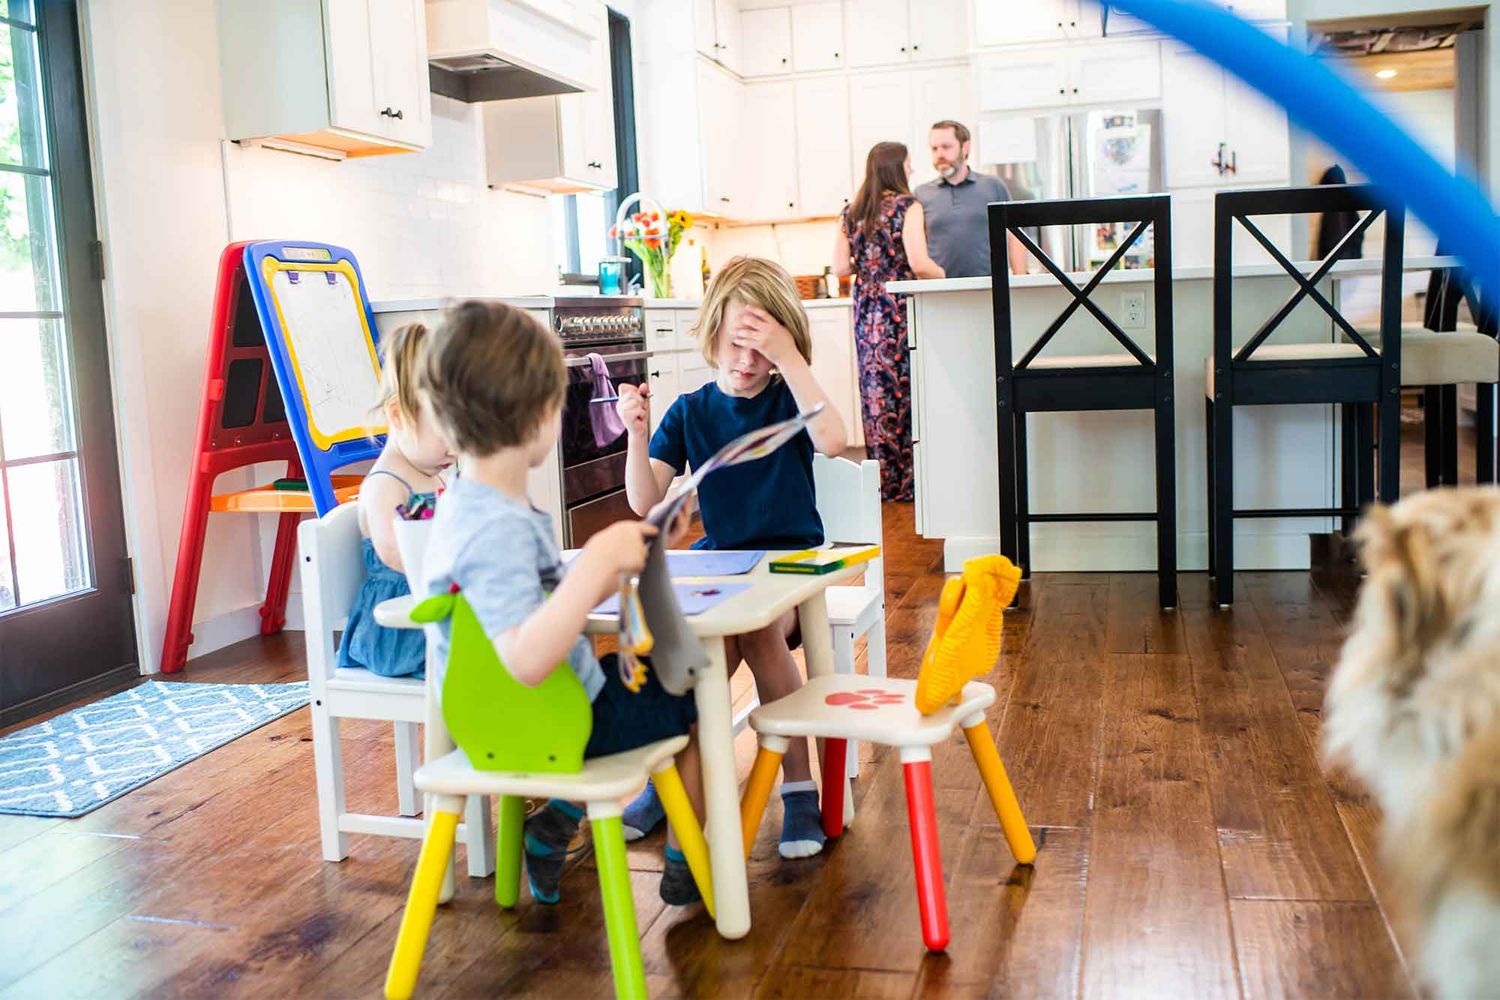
(1156,900)
(1279,835)
(800,982)
(1295,948)
(1136,624)
(1017,930)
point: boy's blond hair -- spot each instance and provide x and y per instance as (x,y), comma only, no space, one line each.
(492,375)
(752,281)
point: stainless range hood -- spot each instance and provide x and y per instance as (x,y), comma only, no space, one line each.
(498,50)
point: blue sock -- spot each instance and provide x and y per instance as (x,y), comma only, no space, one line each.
(801,824)
(677,885)
(547,835)
(673,854)
(644,814)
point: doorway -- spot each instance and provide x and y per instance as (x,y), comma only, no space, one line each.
(67,625)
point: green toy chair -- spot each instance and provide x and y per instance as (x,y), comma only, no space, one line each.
(517,742)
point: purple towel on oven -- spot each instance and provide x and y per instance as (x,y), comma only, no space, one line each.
(603,416)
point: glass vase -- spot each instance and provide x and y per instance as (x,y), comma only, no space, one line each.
(659,281)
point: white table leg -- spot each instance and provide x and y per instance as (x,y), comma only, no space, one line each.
(721,794)
(817,647)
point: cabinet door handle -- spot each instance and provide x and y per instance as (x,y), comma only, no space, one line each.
(1062,90)
(783,60)
(392,113)
(903,48)
(1075,90)
(723,198)
(596,164)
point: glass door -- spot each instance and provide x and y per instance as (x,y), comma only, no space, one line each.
(66,621)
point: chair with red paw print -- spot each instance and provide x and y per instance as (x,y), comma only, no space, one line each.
(911,716)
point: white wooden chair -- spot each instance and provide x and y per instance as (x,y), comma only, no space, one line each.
(849,504)
(332,571)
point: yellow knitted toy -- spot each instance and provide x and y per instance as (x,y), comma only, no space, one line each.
(965,642)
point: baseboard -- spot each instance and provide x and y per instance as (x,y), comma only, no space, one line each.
(117,679)
(1105,552)
(233,626)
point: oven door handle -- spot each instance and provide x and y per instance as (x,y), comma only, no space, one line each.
(631,356)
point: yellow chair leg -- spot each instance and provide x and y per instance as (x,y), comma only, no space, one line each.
(684,821)
(421,904)
(1002,795)
(758,790)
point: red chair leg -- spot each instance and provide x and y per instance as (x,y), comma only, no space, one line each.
(279,581)
(179,631)
(835,755)
(926,855)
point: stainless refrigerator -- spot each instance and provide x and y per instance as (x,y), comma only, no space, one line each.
(1082,154)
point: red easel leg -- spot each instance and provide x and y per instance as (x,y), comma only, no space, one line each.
(835,753)
(273,612)
(179,631)
(926,854)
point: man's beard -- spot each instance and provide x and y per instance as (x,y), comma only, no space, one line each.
(947,170)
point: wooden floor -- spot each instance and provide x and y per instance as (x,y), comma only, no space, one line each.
(1190,845)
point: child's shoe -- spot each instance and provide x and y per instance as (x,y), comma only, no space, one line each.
(643,815)
(966,641)
(548,832)
(677,885)
(801,823)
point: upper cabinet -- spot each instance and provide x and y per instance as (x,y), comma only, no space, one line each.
(1017,22)
(767,37)
(336,79)
(771,160)
(558,144)
(824,178)
(882,32)
(1093,73)
(818,36)
(1119,24)
(716,30)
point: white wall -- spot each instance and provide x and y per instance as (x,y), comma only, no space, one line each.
(171,194)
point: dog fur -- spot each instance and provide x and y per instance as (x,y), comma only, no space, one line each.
(1413,710)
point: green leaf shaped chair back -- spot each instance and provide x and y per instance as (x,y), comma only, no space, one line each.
(500,723)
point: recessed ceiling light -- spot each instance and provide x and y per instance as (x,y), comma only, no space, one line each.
(1385,74)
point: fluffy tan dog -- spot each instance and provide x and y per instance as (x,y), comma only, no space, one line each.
(1414,711)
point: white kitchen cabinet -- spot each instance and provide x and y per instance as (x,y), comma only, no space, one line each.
(661,371)
(716,31)
(824,178)
(882,32)
(1193,232)
(559,144)
(720,109)
(687,332)
(875,31)
(1078,74)
(340,78)
(1120,24)
(832,363)
(938,29)
(767,39)
(1218,131)
(693,372)
(818,36)
(770,174)
(1025,22)
(661,330)
(879,111)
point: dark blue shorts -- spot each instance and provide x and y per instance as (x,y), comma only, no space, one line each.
(624,720)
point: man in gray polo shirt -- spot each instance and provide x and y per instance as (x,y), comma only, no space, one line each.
(958,228)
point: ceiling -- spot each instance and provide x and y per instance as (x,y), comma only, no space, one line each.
(1413,52)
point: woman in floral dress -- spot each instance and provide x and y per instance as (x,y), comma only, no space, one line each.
(881,238)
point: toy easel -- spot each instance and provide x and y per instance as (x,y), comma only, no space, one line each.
(244,420)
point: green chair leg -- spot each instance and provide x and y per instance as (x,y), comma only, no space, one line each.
(619,904)
(509,832)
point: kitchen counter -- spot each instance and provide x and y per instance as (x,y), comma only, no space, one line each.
(844,303)
(1285,456)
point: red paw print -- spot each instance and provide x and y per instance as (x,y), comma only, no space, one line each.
(865,700)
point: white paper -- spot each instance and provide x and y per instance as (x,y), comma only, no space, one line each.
(327,336)
(1007,140)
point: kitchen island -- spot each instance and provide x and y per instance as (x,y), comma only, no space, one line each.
(1285,456)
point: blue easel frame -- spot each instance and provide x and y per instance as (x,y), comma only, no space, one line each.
(318,462)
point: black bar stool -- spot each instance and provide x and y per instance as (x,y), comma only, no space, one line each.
(1352,372)
(1130,380)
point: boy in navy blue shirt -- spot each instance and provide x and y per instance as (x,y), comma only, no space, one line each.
(753,331)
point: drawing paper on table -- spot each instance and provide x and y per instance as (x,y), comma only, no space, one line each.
(713,562)
(324,327)
(692,598)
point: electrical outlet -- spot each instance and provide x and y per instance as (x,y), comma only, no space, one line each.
(1133,310)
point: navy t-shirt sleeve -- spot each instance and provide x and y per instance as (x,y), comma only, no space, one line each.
(669,443)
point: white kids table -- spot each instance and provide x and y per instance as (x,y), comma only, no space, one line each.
(769,597)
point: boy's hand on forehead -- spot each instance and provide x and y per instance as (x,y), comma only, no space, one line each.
(759,331)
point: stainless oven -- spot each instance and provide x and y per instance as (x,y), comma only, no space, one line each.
(592,455)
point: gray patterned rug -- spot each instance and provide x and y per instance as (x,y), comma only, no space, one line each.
(78,761)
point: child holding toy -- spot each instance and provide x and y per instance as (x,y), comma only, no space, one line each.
(404,479)
(495,381)
(754,332)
